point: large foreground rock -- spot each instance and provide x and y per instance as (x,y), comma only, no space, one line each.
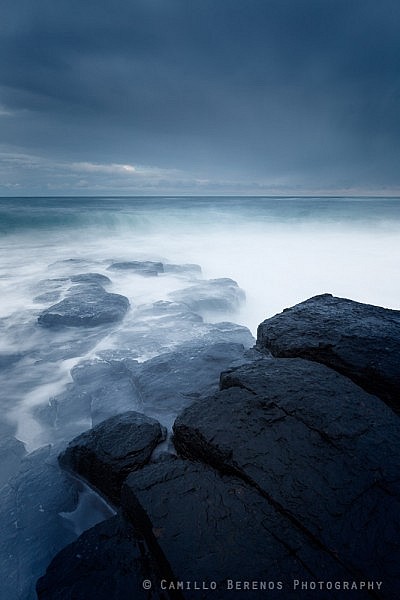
(207,528)
(106,454)
(359,340)
(106,563)
(318,447)
(86,305)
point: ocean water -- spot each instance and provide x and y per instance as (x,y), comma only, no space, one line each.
(280,251)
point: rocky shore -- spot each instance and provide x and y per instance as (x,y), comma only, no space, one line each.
(283,481)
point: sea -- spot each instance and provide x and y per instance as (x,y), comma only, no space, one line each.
(279,250)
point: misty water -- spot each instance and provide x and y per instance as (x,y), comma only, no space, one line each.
(280,251)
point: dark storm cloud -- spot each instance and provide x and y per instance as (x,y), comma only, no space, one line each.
(265,90)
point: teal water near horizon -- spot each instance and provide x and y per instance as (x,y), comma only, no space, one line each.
(281,250)
(49,213)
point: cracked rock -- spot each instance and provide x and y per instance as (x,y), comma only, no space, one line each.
(204,526)
(360,341)
(314,444)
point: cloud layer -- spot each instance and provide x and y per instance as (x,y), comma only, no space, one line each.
(269,96)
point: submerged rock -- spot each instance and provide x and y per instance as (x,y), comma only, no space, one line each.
(213,295)
(171,381)
(359,340)
(318,447)
(12,452)
(91,278)
(147,268)
(31,528)
(85,305)
(105,562)
(106,454)
(186,269)
(47,297)
(100,389)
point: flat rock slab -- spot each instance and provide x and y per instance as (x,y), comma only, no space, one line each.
(90,278)
(317,446)
(106,454)
(106,563)
(169,382)
(213,295)
(360,341)
(85,305)
(147,268)
(205,527)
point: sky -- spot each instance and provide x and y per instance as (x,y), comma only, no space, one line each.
(159,97)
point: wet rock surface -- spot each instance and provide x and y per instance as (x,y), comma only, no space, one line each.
(106,454)
(289,472)
(174,379)
(359,340)
(100,389)
(106,562)
(185,269)
(213,295)
(315,445)
(153,329)
(160,386)
(86,304)
(209,527)
(91,278)
(147,268)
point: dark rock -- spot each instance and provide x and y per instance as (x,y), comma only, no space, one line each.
(86,305)
(171,381)
(91,278)
(147,268)
(106,454)
(213,295)
(358,340)
(155,328)
(324,452)
(105,562)
(206,527)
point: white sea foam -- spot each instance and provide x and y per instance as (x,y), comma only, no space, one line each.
(279,256)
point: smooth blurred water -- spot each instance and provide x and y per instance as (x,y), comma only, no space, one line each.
(280,250)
